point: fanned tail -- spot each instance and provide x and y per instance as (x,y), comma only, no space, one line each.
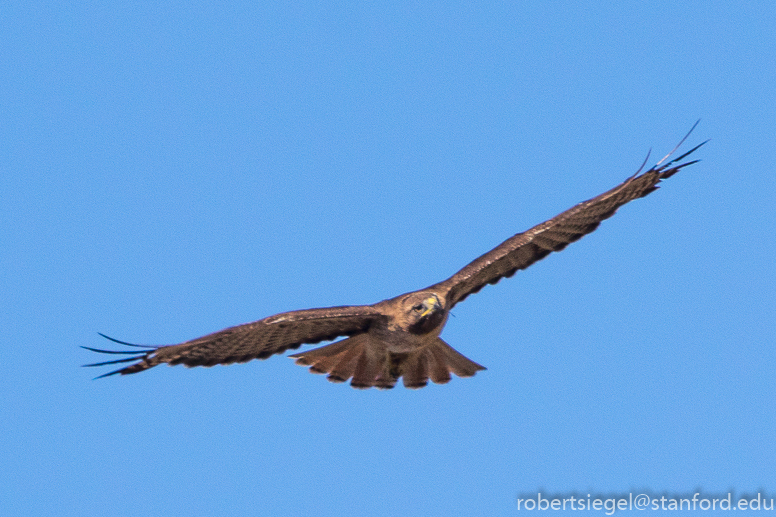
(371,365)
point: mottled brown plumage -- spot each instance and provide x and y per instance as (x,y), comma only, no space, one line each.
(398,337)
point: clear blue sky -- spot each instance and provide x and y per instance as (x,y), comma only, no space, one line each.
(168,169)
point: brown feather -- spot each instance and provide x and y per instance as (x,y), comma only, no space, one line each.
(455,362)
(262,338)
(396,338)
(415,370)
(371,365)
(438,370)
(524,249)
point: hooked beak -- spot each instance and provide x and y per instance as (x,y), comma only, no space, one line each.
(430,304)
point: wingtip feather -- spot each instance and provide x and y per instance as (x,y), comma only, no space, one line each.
(124,342)
(137,355)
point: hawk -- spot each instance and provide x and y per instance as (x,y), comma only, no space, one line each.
(398,337)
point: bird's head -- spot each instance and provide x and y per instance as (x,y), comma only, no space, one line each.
(423,312)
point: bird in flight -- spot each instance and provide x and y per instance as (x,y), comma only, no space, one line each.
(398,337)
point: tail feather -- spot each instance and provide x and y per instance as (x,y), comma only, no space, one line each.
(415,370)
(457,362)
(346,364)
(337,360)
(370,372)
(438,369)
(371,365)
(325,359)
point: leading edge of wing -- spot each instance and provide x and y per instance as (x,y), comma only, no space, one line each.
(256,340)
(523,249)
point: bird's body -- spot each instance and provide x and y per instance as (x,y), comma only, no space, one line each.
(398,337)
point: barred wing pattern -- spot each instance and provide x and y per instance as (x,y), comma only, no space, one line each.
(523,249)
(257,340)
(367,356)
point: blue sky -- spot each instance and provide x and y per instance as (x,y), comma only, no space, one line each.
(169,169)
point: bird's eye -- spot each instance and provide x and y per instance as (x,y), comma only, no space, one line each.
(418,307)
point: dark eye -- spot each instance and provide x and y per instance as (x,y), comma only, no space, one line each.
(418,308)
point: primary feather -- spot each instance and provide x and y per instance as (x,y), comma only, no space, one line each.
(399,337)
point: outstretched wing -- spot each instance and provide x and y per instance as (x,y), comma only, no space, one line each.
(257,340)
(523,249)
